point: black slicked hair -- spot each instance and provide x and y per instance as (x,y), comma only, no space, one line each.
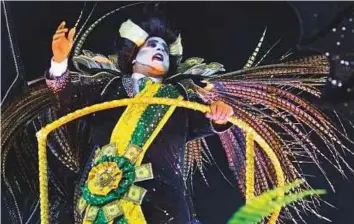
(155,26)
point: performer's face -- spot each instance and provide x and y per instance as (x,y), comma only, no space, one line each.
(153,57)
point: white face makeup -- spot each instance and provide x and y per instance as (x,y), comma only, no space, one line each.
(155,55)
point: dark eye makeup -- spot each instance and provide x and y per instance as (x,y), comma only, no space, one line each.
(153,43)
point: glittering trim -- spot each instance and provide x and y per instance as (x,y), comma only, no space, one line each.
(122,132)
(153,114)
(158,129)
(139,125)
(56,84)
(128,86)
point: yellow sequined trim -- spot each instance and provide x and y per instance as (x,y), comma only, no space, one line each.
(127,124)
(125,127)
(250,154)
(122,133)
(156,131)
(132,212)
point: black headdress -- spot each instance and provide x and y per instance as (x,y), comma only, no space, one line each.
(133,35)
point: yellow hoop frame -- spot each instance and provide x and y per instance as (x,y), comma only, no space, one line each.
(251,136)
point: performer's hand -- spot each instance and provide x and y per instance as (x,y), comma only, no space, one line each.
(220,112)
(62,43)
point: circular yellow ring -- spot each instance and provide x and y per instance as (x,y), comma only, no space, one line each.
(43,133)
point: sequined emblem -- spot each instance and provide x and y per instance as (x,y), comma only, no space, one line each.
(104,177)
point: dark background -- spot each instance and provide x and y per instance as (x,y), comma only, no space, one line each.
(226,32)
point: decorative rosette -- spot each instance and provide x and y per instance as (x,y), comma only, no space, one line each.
(104,177)
(110,184)
(109,179)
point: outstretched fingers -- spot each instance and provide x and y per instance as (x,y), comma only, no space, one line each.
(62,31)
(71,34)
(59,35)
(61,25)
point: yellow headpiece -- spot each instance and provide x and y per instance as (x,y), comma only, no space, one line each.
(176,48)
(133,32)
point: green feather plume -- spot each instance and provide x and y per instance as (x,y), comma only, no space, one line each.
(265,204)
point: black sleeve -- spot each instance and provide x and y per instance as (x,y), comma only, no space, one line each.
(74,91)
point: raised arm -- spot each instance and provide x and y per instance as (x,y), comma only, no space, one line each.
(62,42)
(72,90)
(57,77)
